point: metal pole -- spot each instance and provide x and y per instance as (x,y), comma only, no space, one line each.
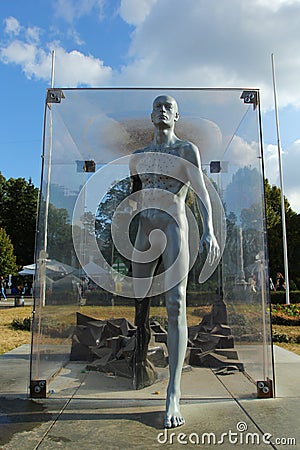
(285,254)
(52,68)
(47,199)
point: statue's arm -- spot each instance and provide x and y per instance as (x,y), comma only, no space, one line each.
(195,176)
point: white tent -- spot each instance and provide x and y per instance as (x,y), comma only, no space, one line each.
(53,267)
(28,270)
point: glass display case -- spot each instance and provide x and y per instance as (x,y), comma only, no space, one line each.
(84,293)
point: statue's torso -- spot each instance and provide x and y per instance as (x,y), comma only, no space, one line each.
(164,181)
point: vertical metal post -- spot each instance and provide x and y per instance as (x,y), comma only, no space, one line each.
(52,68)
(285,254)
(47,199)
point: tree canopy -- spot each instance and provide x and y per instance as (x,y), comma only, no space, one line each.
(7,258)
(18,208)
(275,234)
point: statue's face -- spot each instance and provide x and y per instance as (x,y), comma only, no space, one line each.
(165,111)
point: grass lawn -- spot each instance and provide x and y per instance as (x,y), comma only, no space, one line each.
(292,332)
(10,338)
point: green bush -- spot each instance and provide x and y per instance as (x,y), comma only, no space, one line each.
(279,297)
(24,325)
(280,337)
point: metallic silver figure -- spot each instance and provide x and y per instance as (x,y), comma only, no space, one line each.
(170,218)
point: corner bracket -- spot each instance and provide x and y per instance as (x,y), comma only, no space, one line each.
(265,389)
(250,97)
(38,388)
(54,96)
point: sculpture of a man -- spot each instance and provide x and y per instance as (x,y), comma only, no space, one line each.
(169,217)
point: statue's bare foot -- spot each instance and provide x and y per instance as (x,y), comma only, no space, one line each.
(173,417)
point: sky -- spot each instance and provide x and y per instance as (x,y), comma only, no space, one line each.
(149,43)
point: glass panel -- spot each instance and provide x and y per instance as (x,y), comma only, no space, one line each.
(88,220)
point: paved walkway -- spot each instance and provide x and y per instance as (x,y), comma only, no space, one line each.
(85,410)
(16,301)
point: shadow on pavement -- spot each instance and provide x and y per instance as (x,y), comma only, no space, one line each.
(17,415)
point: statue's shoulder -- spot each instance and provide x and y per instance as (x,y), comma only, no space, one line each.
(189,151)
(189,146)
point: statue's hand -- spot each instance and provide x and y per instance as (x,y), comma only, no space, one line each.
(213,249)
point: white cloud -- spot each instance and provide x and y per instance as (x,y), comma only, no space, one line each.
(274,4)
(75,69)
(290,165)
(134,12)
(217,43)
(290,159)
(271,163)
(75,36)
(71,68)
(33,34)
(195,43)
(12,26)
(19,52)
(243,153)
(182,43)
(70,10)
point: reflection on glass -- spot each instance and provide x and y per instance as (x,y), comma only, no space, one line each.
(87,147)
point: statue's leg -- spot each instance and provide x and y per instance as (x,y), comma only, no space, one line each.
(177,343)
(143,371)
(177,326)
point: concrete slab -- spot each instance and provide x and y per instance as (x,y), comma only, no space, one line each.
(287,373)
(14,371)
(252,356)
(76,416)
(198,383)
(141,427)
(279,417)
(51,359)
(26,421)
(238,385)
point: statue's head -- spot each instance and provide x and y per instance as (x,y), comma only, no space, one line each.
(165,111)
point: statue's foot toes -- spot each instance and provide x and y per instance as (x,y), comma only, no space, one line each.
(173,421)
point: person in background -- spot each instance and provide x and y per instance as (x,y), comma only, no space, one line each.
(2,292)
(280,282)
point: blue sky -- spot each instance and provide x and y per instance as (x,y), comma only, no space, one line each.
(216,43)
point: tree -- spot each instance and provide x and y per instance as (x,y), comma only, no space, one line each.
(273,206)
(7,257)
(118,192)
(18,208)
(59,237)
(275,234)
